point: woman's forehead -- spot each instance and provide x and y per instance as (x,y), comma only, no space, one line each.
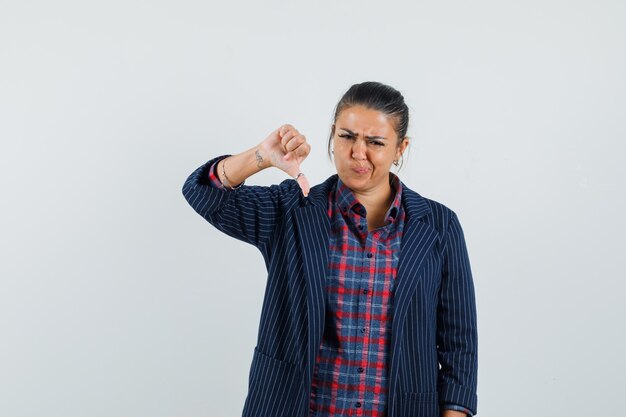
(361,120)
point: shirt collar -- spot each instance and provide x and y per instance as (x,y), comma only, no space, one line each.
(348,203)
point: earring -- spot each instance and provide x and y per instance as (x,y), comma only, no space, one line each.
(395,162)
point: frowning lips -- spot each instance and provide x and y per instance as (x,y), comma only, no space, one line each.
(360,169)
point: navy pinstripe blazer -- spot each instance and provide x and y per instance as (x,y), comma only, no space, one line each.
(433,356)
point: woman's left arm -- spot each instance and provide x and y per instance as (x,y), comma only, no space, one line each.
(453,413)
(457,336)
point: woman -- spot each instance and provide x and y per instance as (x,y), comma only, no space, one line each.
(369,307)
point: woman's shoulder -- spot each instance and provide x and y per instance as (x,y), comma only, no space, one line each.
(430,210)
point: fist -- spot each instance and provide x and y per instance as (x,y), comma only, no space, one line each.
(286,149)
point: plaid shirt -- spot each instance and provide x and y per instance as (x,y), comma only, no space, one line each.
(350,376)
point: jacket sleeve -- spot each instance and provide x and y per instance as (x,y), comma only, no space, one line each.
(248,213)
(457,336)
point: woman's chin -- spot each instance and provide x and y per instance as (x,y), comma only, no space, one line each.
(355,182)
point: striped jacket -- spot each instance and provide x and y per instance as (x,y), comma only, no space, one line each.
(433,356)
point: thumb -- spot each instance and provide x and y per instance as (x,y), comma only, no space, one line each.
(300,178)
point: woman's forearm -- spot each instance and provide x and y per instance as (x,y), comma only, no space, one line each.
(241,166)
(284,148)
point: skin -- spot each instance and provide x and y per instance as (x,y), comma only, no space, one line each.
(365,145)
(453,413)
(284,148)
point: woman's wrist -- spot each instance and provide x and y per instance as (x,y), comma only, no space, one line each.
(235,169)
(226,181)
(261,159)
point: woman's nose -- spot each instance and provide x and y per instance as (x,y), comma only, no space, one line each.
(358,150)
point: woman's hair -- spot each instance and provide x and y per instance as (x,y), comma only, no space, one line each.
(376,96)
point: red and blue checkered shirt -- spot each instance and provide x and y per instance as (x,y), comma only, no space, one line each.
(350,376)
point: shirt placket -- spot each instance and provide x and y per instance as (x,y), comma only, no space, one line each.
(355,390)
(364,294)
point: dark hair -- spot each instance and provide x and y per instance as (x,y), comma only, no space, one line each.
(376,96)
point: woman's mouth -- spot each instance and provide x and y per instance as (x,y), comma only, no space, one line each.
(360,170)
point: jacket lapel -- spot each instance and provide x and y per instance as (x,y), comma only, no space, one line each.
(417,240)
(313,233)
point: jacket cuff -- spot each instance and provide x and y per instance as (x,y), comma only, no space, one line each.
(214,178)
(458,394)
(199,185)
(457,408)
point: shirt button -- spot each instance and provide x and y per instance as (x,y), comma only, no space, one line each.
(369,255)
(366,292)
(363,330)
(360,370)
(357,405)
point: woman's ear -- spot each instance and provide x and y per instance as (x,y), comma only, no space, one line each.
(402,147)
(331,145)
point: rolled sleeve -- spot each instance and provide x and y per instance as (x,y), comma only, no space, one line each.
(457,407)
(213,177)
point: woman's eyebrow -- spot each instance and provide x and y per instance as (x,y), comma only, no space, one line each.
(367,137)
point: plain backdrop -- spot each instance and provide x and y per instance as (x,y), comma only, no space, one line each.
(118,300)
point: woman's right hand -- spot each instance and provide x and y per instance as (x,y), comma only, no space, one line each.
(286,148)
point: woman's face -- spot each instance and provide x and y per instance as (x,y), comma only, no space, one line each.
(365,145)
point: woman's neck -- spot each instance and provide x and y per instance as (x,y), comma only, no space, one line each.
(376,203)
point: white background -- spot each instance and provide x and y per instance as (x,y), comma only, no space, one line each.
(117,299)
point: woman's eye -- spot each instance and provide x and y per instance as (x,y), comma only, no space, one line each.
(345,136)
(377,143)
